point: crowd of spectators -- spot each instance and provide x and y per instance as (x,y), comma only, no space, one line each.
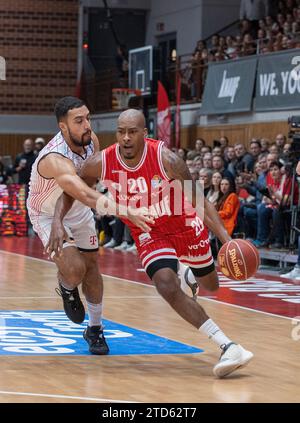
(274,27)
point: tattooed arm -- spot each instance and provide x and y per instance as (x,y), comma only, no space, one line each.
(176,168)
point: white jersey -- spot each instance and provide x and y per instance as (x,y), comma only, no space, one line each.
(43,192)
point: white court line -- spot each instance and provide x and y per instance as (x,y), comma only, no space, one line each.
(153,287)
(27,298)
(123,297)
(31,394)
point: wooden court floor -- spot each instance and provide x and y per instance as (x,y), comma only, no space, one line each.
(273,375)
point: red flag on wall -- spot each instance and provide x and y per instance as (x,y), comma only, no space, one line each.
(163,116)
(177,120)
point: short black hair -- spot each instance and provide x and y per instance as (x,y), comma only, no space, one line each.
(65,104)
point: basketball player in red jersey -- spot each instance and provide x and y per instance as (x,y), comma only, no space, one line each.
(54,171)
(147,167)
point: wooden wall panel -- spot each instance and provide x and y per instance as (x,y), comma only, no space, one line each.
(12,144)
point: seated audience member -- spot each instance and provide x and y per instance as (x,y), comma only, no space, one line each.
(244,160)
(218,164)
(214,194)
(276,199)
(3,173)
(205,175)
(207,160)
(228,205)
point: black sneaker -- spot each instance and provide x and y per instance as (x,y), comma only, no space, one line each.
(73,306)
(95,338)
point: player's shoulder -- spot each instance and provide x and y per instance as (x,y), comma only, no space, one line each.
(152,142)
(110,149)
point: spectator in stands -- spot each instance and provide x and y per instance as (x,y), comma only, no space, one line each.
(197,162)
(205,175)
(255,149)
(253,10)
(205,149)
(214,194)
(230,159)
(228,205)
(199,143)
(39,144)
(214,44)
(285,155)
(117,231)
(248,45)
(3,173)
(230,47)
(277,198)
(217,151)
(218,164)
(280,140)
(207,160)
(274,149)
(265,143)
(24,162)
(244,160)
(254,184)
(224,142)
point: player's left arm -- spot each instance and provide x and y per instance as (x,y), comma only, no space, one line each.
(176,168)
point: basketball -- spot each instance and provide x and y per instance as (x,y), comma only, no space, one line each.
(238,259)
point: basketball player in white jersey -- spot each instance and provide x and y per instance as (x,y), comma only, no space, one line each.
(55,171)
(147,163)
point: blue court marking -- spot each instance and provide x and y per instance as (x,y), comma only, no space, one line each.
(25,332)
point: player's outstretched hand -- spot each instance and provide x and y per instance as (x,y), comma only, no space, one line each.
(141,217)
(57,237)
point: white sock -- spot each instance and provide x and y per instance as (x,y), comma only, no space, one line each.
(214,333)
(95,314)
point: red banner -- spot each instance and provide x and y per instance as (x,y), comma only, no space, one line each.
(177,120)
(163,116)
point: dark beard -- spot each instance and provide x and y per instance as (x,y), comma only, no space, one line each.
(78,143)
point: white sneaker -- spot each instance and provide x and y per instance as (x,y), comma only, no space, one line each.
(293,274)
(189,288)
(233,357)
(122,247)
(111,244)
(132,248)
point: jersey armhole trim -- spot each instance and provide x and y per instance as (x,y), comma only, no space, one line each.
(160,162)
(103,170)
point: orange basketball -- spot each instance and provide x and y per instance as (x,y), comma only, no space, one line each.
(238,259)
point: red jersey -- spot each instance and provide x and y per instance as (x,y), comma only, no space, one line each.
(147,184)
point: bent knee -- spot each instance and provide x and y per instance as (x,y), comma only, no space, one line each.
(74,272)
(167,287)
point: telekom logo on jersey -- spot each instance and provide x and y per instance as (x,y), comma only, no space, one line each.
(161,197)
